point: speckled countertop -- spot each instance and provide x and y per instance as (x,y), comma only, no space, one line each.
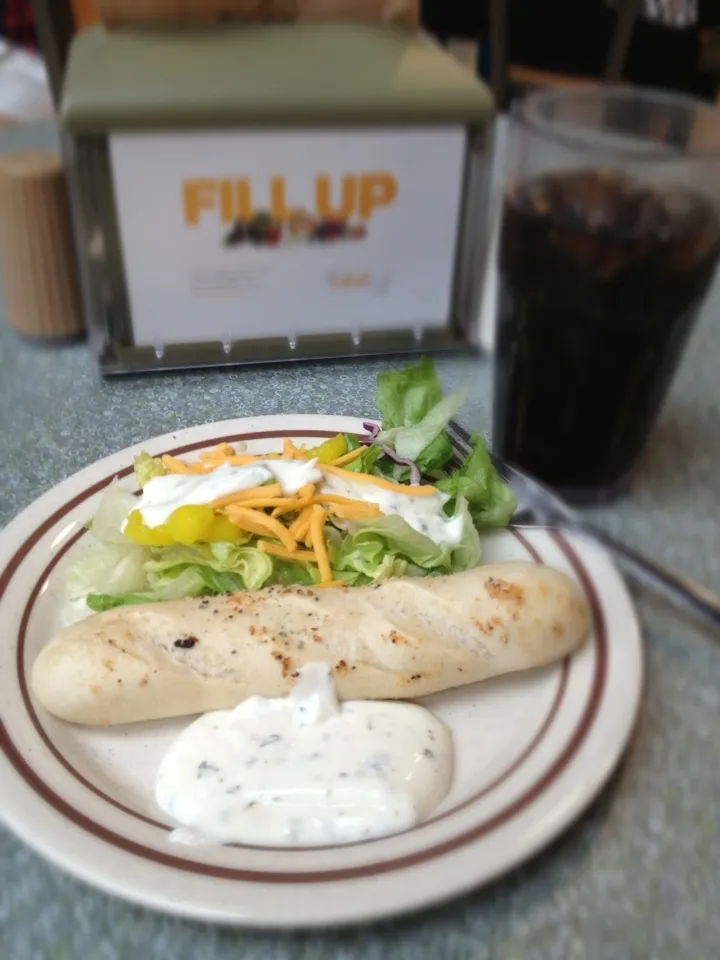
(637,878)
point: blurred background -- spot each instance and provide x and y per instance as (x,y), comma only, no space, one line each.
(514,44)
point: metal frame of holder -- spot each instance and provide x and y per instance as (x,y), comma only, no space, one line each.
(55,25)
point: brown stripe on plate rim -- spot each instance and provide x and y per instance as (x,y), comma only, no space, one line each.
(369,870)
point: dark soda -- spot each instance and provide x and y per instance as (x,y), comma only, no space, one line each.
(601,280)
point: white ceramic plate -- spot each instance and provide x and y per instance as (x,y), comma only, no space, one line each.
(531,751)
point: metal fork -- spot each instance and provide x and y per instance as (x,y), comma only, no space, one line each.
(539,507)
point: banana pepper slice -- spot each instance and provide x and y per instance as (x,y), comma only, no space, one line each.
(186,525)
(330,450)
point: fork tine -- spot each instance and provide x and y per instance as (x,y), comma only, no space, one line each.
(459,437)
(536,505)
(462,441)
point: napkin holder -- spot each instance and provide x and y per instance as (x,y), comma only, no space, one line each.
(253,193)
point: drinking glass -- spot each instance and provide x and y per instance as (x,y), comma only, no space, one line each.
(609,241)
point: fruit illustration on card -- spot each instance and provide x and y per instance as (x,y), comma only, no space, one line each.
(300,228)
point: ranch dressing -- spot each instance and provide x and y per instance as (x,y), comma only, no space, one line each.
(163,495)
(304,770)
(424,514)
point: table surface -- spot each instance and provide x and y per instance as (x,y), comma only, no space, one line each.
(637,877)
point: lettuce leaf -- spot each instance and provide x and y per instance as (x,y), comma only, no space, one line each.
(109,568)
(178,583)
(181,580)
(286,573)
(388,547)
(367,460)
(414,416)
(490,500)
(411,441)
(114,564)
(435,455)
(147,467)
(218,567)
(404,397)
(172,573)
(100,602)
(114,506)
(432,460)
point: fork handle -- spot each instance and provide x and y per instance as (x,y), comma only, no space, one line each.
(685,593)
(682,591)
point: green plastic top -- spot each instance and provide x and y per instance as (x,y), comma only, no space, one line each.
(301,74)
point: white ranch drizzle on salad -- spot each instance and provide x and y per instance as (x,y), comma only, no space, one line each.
(305,770)
(424,514)
(161,496)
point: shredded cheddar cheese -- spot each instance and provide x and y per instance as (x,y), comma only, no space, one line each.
(219,453)
(348,509)
(275,550)
(265,503)
(378,482)
(268,491)
(300,526)
(308,538)
(317,532)
(363,511)
(303,497)
(255,521)
(179,466)
(290,451)
(247,459)
(337,498)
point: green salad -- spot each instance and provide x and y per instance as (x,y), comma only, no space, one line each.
(350,511)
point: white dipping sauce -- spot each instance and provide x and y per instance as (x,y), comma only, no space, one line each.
(163,495)
(424,514)
(304,770)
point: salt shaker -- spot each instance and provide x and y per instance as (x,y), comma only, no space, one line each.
(37,255)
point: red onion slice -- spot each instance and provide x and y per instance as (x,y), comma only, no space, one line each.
(373,430)
(401,461)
